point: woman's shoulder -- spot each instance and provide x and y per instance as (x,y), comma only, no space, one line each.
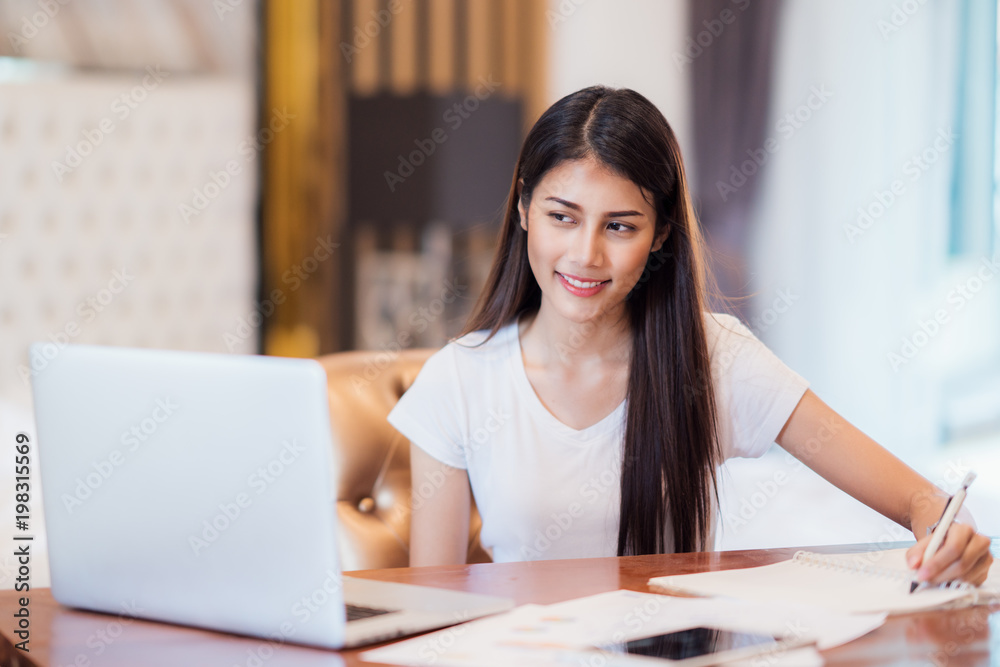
(730,342)
(735,349)
(724,325)
(478,348)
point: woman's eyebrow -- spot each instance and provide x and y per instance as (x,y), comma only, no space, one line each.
(577,207)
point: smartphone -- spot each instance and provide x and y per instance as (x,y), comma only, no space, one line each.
(702,646)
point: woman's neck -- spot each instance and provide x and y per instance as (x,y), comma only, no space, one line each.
(548,339)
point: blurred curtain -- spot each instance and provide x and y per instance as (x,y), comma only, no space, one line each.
(972,229)
(729,53)
(853,218)
(972,390)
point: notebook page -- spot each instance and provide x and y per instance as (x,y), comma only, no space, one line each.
(802,583)
(896,559)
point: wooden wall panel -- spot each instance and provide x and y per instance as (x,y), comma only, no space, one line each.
(479,46)
(365,66)
(510,71)
(404,57)
(441,77)
(303,172)
(438,46)
(533,54)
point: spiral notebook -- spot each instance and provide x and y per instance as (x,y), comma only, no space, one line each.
(877,581)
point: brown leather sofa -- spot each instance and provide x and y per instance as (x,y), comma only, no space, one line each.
(373,458)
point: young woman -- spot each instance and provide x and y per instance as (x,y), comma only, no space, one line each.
(591,397)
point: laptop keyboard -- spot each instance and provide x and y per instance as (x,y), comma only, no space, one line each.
(355,612)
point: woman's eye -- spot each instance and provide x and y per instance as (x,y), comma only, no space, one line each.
(558,216)
(619,227)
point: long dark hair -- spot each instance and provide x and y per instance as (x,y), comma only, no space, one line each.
(671,444)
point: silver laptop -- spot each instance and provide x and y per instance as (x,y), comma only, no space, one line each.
(195,488)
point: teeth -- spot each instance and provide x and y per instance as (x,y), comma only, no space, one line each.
(582,285)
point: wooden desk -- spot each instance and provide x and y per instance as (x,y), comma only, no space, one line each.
(62,637)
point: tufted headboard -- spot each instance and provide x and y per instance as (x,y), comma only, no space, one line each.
(96,245)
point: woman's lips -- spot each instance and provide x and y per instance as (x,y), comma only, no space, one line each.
(581,291)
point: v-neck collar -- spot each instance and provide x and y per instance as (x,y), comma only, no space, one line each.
(609,422)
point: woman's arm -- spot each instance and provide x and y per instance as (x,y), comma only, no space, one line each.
(849,459)
(441,504)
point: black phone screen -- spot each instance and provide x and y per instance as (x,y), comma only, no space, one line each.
(692,643)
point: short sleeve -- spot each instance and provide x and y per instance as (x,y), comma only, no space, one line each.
(431,413)
(756,392)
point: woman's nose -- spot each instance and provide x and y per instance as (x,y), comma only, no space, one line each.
(587,247)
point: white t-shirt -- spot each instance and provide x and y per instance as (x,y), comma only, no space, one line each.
(546,490)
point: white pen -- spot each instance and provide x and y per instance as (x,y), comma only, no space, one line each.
(944,523)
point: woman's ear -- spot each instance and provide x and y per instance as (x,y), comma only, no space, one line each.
(660,238)
(522,214)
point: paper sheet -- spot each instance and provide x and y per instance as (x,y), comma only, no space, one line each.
(552,634)
(879,581)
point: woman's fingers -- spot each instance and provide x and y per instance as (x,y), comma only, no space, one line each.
(972,566)
(963,555)
(977,575)
(915,554)
(951,550)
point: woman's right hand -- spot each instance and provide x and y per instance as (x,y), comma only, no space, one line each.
(441,504)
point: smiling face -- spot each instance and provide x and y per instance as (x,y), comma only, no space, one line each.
(590,232)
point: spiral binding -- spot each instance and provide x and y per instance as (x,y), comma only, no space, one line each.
(811,559)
